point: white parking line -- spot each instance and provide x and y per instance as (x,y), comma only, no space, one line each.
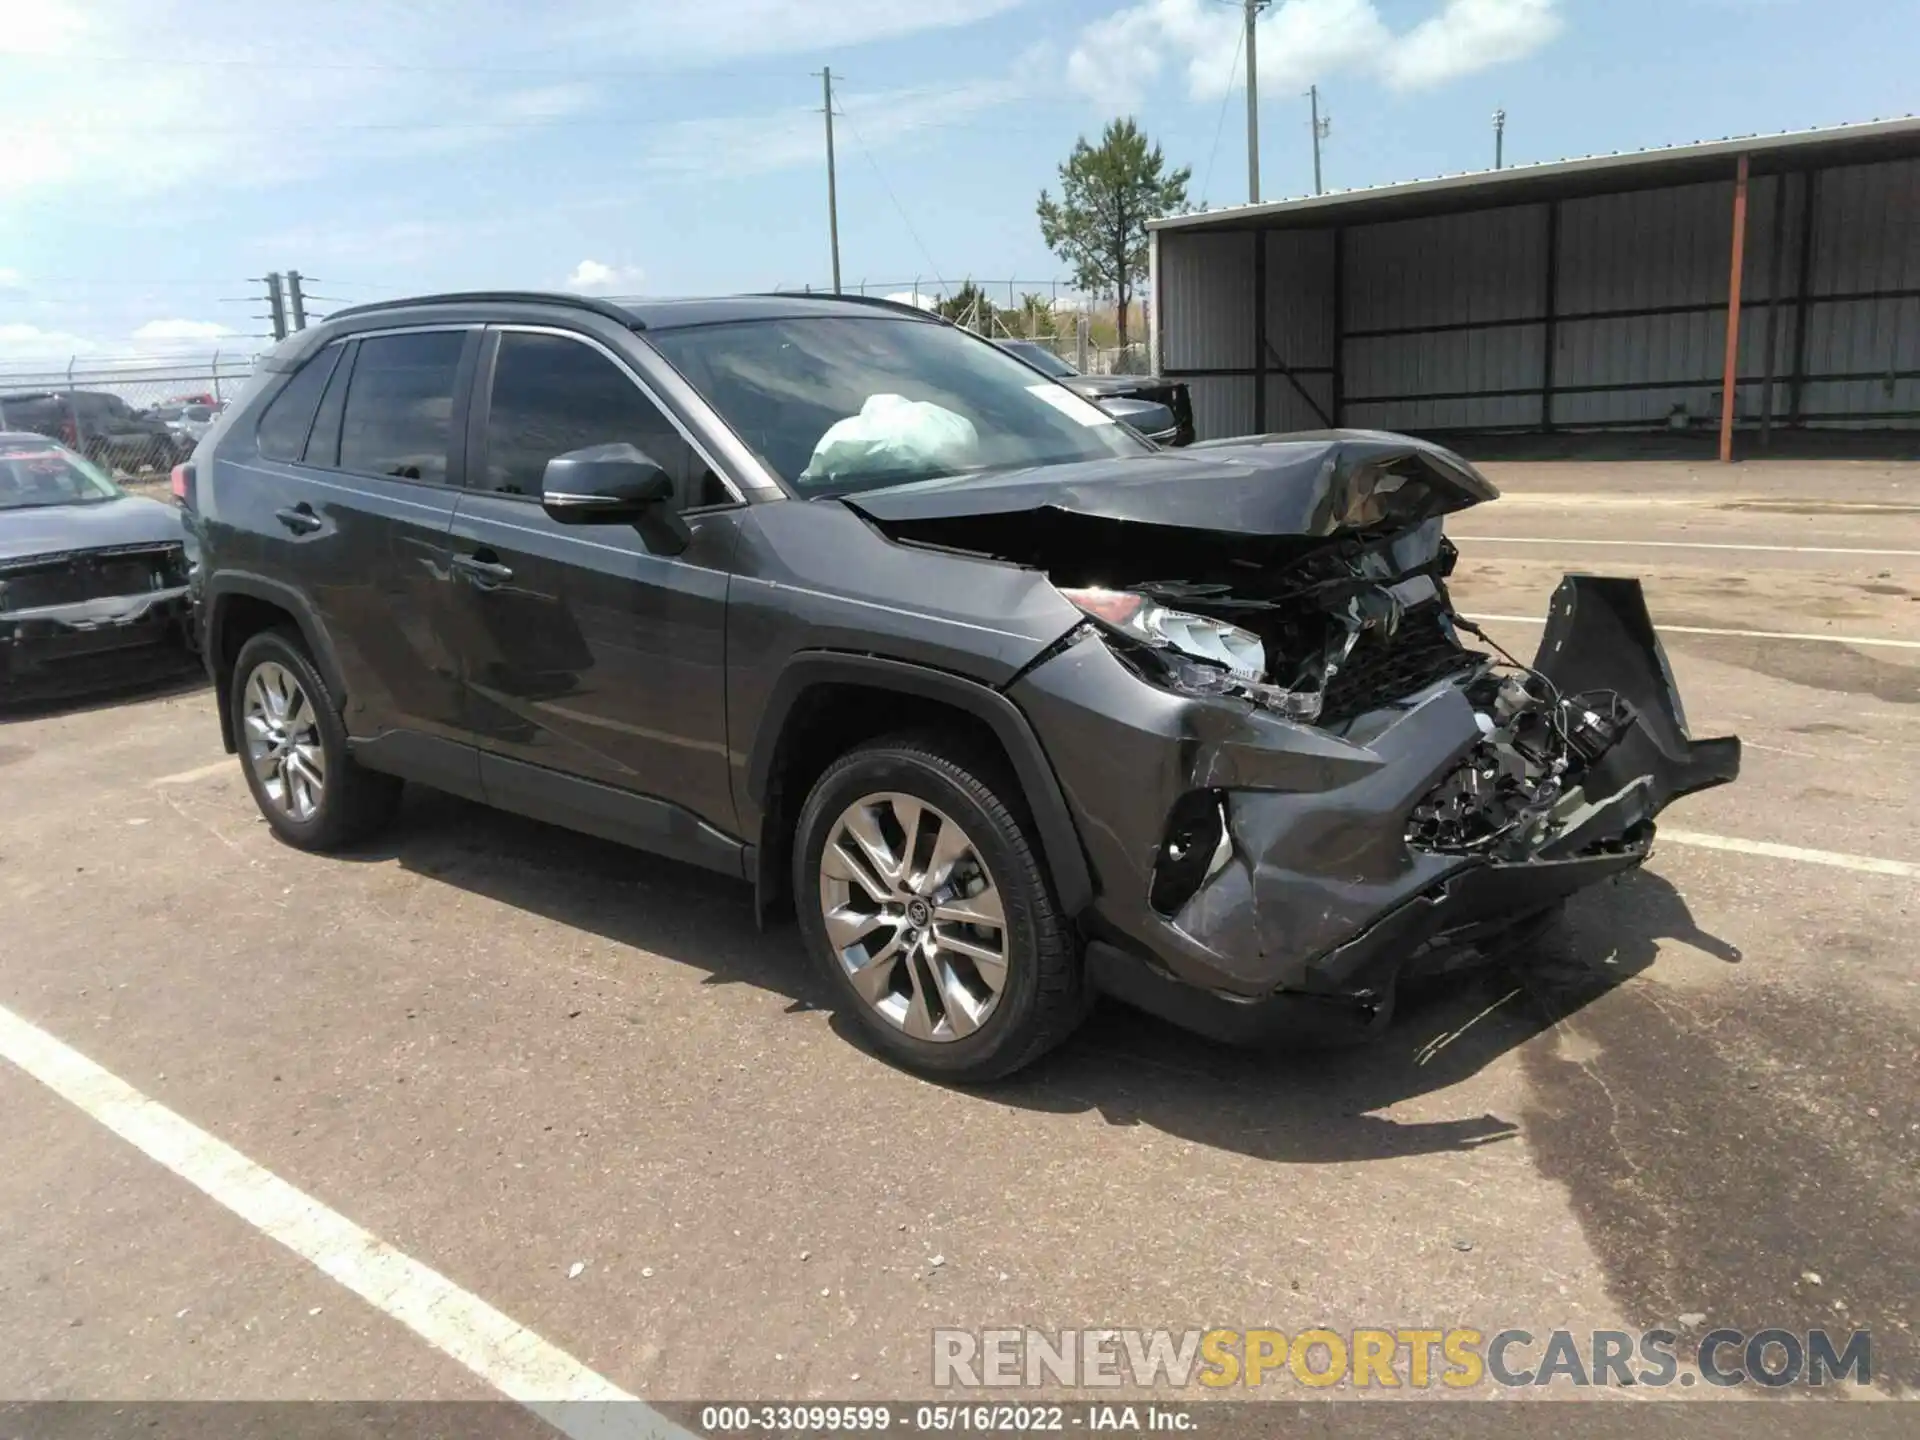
(502,1352)
(1664,628)
(1674,545)
(1866,864)
(199,772)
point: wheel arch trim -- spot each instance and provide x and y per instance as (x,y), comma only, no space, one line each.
(812,669)
(222,588)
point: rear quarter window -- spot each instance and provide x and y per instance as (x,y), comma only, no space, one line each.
(282,432)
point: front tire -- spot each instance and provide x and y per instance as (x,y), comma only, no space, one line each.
(293,748)
(930,912)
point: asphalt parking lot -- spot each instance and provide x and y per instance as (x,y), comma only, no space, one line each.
(578,1083)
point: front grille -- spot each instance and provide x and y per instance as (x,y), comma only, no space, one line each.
(1384,668)
(92,575)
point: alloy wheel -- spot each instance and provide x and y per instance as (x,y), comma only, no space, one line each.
(914,916)
(283,741)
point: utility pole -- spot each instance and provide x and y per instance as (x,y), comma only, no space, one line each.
(1254,7)
(296,301)
(1499,138)
(1321,129)
(276,305)
(833,201)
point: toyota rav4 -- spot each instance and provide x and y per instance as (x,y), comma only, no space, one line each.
(1013,706)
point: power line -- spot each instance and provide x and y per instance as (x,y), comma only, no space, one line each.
(1219,125)
(860,140)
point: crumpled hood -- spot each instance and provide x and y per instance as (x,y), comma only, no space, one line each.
(1309,485)
(55,529)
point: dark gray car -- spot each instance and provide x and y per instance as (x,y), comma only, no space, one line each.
(1012,706)
(1113,392)
(101,426)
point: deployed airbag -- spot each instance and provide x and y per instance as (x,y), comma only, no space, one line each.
(895,435)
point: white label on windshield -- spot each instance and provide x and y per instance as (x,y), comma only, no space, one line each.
(1070,404)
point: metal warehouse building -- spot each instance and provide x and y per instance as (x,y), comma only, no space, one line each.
(1584,295)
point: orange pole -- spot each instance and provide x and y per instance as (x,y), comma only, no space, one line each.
(1729,381)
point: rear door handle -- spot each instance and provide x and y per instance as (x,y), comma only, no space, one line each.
(300,518)
(484,573)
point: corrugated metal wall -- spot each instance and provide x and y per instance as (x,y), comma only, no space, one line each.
(1422,280)
(1445,320)
(1208,335)
(1866,239)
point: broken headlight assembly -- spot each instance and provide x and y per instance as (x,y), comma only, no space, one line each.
(1163,628)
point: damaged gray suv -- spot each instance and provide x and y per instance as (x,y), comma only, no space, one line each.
(1012,706)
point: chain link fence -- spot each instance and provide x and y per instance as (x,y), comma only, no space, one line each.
(138,415)
(1081,329)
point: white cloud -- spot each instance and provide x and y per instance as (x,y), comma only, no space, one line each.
(1470,35)
(31,342)
(674,29)
(1301,42)
(192,333)
(592,277)
(181,95)
(919,299)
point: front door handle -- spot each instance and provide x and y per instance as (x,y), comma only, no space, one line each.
(483,572)
(300,518)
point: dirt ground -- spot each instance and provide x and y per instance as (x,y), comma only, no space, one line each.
(579,1083)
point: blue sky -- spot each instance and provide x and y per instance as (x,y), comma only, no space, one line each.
(154,154)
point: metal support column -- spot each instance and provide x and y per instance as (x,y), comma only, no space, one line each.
(1809,186)
(1259,332)
(1775,263)
(1730,377)
(1339,325)
(1549,310)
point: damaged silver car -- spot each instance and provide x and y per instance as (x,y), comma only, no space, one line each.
(93,581)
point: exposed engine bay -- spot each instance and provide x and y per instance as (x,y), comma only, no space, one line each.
(1351,779)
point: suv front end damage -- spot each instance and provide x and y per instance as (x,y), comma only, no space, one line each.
(1294,782)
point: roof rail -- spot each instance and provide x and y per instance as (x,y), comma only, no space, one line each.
(878,302)
(489,297)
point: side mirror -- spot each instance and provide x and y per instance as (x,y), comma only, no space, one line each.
(613,485)
(1149,417)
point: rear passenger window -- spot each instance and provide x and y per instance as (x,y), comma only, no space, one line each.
(283,428)
(399,409)
(552,395)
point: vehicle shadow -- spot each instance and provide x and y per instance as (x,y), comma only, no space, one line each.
(1301,1106)
(189,678)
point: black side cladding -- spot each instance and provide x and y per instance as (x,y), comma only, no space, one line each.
(1599,639)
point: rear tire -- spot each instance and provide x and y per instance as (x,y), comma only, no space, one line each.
(293,749)
(905,856)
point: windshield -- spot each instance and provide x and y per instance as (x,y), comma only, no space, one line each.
(1041,358)
(51,475)
(836,404)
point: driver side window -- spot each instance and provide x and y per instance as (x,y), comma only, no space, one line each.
(552,394)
